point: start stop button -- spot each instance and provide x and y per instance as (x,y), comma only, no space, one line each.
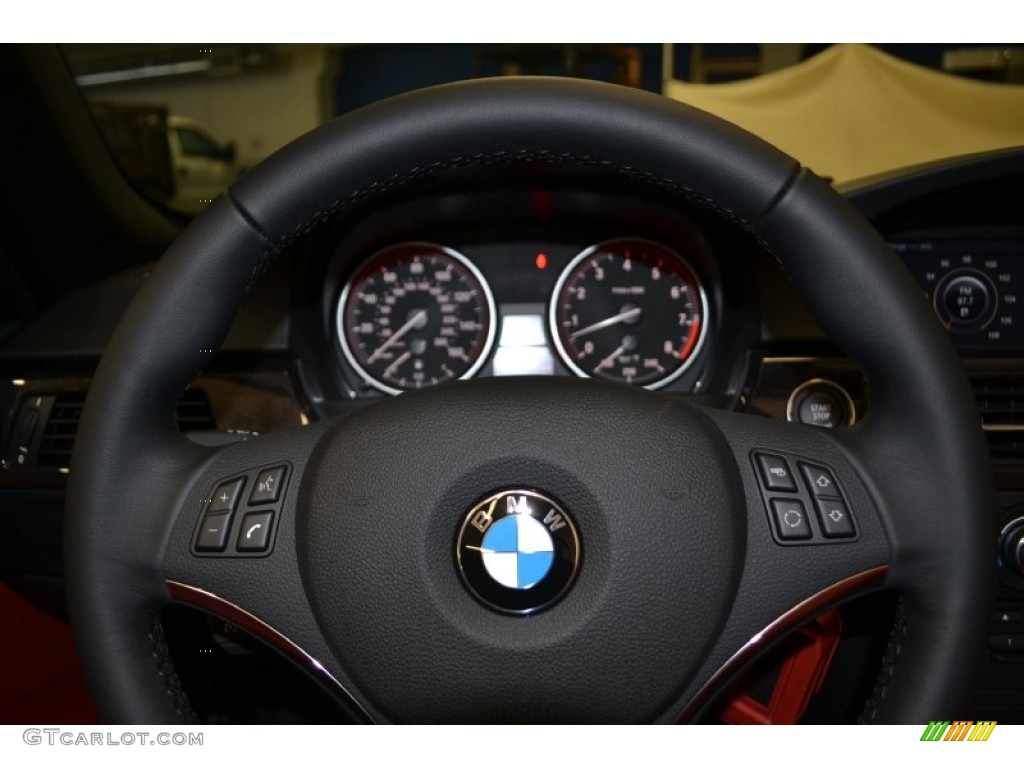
(821,403)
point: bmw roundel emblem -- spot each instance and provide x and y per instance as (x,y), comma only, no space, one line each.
(518,551)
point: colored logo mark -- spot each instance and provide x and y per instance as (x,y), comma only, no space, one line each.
(958,730)
(518,552)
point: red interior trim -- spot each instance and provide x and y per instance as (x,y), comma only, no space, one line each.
(827,598)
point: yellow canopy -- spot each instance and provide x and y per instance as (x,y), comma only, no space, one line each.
(854,111)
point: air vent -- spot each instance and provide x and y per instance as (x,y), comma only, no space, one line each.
(1006,445)
(1001,405)
(58,438)
(194,411)
(59,434)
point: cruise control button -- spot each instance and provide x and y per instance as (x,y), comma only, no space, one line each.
(268,486)
(790,519)
(820,481)
(835,519)
(775,473)
(213,534)
(225,498)
(254,533)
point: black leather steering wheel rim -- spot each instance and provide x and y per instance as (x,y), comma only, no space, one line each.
(919,452)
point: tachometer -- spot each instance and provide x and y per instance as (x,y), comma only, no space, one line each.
(415,315)
(631,311)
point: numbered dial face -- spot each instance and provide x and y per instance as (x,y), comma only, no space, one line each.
(631,311)
(966,300)
(416,315)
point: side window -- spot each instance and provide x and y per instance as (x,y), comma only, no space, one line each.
(194,144)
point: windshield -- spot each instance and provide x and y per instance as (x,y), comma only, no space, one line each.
(184,121)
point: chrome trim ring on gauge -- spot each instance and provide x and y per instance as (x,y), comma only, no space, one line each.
(422,333)
(975,303)
(634,336)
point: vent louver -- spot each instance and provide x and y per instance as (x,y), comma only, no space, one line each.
(58,438)
(59,434)
(1000,398)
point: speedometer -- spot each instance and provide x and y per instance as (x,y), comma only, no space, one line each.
(415,315)
(631,311)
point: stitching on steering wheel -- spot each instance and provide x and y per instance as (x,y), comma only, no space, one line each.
(506,157)
(168,674)
(892,654)
(503,157)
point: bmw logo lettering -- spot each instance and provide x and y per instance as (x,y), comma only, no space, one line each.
(518,551)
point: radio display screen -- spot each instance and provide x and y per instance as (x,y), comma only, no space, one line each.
(975,287)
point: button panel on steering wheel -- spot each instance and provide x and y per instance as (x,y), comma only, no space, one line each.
(787,501)
(228,528)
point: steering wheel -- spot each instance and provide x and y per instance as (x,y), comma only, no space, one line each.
(687,562)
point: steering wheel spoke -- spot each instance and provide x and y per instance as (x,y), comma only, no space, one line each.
(242,497)
(814,539)
(232,550)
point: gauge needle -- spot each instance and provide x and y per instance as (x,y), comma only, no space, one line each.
(611,358)
(401,359)
(622,317)
(413,322)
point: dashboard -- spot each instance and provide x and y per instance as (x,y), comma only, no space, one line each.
(578,280)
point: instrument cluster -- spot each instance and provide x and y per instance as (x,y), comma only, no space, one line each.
(628,309)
